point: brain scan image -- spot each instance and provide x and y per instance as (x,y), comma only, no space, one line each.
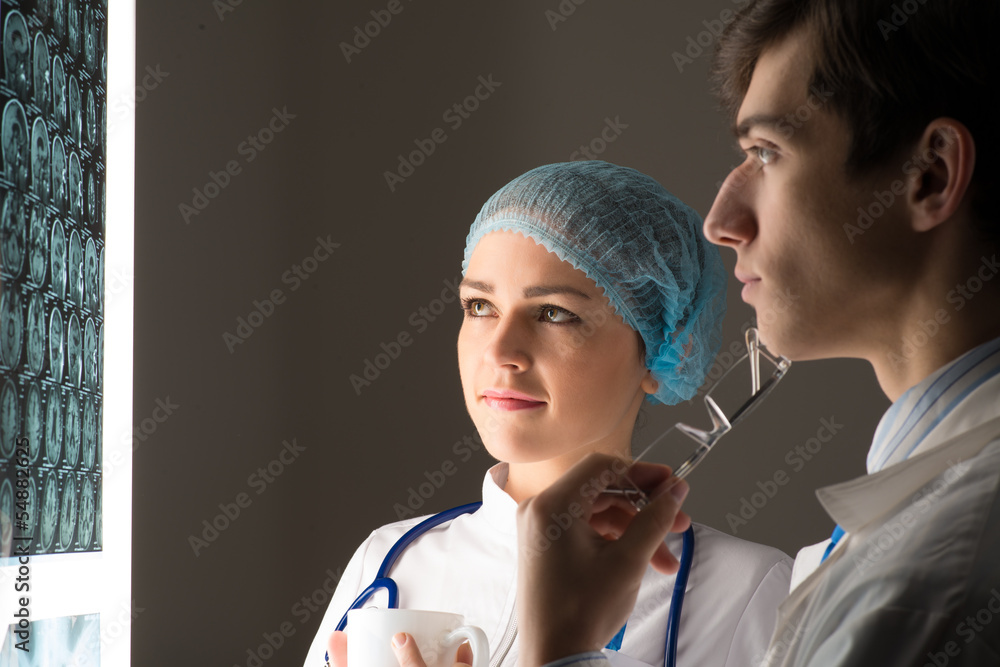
(85,531)
(59,17)
(53,125)
(34,422)
(99,523)
(102,131)
(75,189)
(42,10)
(91,198)
(15,54)
(56,348)
(36,334)
(74,351)
(40,171)
(11,328)
(12,233)
(42,73)
(71,434)
(59,175)
(48,517)
(6,504)
(38,246)
(74,108)
(67,514)
(59,92)
(100,282)
(14,132)
(89,441)
(100,195)
(90,360)
(75,32)
(57,252)
(10,411)
(90,288)
(90,37)
(74,269)
(100,359)
(90,132)
(32,519)
(53,427)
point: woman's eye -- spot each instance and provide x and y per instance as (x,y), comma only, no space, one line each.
(557,315)
(475,307)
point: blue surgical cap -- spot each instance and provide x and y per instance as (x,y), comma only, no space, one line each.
(640,244)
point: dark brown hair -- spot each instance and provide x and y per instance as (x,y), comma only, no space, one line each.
(889,67)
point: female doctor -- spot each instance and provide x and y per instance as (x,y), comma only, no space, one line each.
(587,287)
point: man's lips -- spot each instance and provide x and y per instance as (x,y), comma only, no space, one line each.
(507,399)
(749,281)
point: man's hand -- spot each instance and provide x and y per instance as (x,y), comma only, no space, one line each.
(582,555)
(406,651)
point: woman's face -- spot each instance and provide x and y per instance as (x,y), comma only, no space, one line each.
(548,369)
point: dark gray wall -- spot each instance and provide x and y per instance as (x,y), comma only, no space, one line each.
(221,76)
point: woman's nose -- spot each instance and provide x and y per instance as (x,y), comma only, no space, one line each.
(508,345)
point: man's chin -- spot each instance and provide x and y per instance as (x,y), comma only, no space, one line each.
(777,341)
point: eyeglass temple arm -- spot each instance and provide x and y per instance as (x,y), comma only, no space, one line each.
(753,351)
(706,439)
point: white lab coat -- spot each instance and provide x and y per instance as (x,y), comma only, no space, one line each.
(468,566)
(916,580)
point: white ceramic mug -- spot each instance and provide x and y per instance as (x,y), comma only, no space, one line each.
(438,635)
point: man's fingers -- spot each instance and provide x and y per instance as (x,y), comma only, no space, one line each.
(649,528)
(607,500)
(648,476)
(337,647)
(612,522)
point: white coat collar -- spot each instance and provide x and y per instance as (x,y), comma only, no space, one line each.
(498,509)
(855,504)
(959,436)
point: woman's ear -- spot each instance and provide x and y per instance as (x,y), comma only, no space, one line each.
(649,384)
(937,186)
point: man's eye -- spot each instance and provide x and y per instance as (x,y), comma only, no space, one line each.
(763,154)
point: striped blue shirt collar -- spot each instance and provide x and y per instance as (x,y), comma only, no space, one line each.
(908,421)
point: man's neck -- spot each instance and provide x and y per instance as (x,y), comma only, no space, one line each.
(937,339)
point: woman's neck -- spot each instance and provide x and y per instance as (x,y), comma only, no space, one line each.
(525,480)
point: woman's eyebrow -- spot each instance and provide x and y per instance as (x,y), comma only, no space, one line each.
(545,290)
(529,292)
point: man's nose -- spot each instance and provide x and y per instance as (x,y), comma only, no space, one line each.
(731,221)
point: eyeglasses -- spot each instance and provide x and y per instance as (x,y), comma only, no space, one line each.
(738,391)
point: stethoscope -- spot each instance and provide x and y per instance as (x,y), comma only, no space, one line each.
(383,580)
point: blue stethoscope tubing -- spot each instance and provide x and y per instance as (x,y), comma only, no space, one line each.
(382,579)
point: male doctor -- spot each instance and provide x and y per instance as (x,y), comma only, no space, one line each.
(871,148)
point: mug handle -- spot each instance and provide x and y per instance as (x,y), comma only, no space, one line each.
(477,640)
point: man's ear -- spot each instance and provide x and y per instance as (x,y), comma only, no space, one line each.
(947,156)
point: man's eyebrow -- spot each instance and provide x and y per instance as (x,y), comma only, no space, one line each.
(767,120)
(529,292)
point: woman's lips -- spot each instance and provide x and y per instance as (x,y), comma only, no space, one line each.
(510,400)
